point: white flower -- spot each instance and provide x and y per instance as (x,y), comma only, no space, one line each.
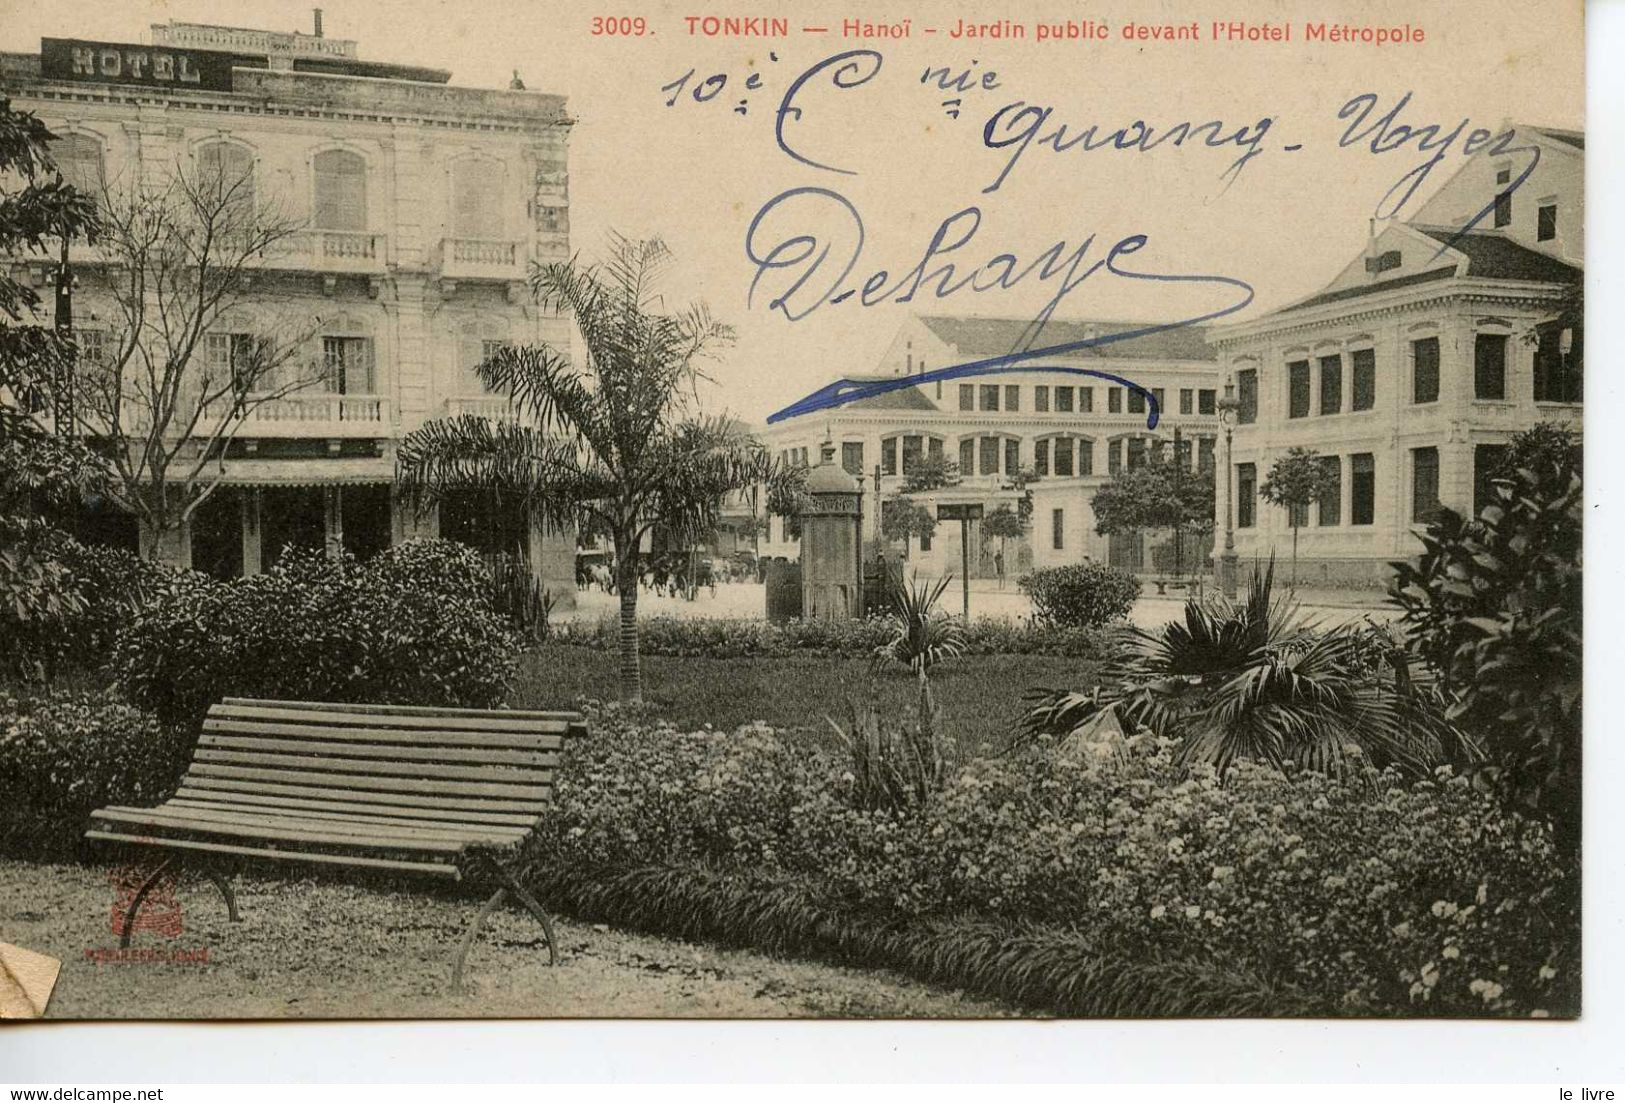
(1159,911)
(1192,911)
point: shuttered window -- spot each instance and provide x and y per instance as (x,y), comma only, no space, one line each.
(341,191)
(227,170)
(1425,370)
(78,158)
(1297,381)
(476,195)
(349,364)
(1364,364)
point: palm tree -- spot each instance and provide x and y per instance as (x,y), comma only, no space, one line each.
(618,440)
(1253,680)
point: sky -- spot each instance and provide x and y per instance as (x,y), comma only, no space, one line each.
(698,173)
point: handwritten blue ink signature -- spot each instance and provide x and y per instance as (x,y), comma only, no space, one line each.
(804,254)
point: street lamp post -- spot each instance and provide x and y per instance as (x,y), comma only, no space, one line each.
(1228,405)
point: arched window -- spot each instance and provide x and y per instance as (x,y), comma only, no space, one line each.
(476,198)
(341,190)
(226,170)
(78,158)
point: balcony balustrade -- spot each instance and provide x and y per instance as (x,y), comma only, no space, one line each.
(473,258)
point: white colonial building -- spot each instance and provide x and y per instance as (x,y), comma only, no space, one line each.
(1068,432)
(421,206)
(1411,371)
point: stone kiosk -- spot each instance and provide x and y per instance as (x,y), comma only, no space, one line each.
(831,542)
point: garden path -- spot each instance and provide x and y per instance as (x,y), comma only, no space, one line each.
(318,948)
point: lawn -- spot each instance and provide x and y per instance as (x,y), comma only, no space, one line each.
(980,697)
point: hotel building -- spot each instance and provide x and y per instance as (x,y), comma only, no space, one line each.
(1069,432)
(1411,371)
(421,207)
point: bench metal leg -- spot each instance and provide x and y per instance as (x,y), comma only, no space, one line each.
(490,906)
(139,899)
(224,886)
(510,884)
(152,879)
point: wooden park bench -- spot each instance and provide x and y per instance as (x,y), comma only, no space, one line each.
(435,792)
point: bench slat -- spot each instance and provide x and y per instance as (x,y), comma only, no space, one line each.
(482,755)
(154,820)
(361,781)
(405,710)
(517,820)
(320,822)
(283,810)
(470,804)
(518,775)
(340,715)
(536,741)
(432,868)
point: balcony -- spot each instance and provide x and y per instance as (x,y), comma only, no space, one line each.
(358,251)
(321,415)
(479,258)
(493,407)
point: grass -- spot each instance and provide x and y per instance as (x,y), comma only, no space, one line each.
(980,697)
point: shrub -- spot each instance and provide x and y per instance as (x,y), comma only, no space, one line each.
(1495,607)
(737,638)
(1363,895)
(412,626)
(1080,595)
(80,597)
(69,755)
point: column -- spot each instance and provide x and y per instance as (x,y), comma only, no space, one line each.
(248,502)
(333,520)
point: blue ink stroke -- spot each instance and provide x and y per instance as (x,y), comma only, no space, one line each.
(842,392)
(848,74)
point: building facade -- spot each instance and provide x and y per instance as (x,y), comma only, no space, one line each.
(1413,369)
(420,207)
(1055,435)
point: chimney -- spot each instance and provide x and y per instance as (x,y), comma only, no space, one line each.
(318,12)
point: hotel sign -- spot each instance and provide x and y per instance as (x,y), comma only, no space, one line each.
(127,63)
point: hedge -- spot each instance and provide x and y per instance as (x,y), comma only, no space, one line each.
(733,638)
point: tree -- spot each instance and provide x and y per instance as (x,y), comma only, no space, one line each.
(1295,481)
(1158,494)
(1004,524)
(930,472)
(36,466)
(901,519)
(1494,606)
(618,438)
(163,403)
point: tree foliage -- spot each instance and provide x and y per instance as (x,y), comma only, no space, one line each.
(37,209)
(931,472)
(1295,481)
(619,437)
(1004,523)
(902,519)
(1154,495)
(1494,606)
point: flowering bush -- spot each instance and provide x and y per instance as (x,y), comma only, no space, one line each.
(1080,595)
(66,756)
(1367,895)
(738,638)
(413,625)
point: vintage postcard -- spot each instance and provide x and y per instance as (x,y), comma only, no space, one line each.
(886,510)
